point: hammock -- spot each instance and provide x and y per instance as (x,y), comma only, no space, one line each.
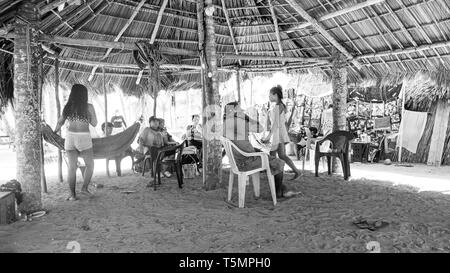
(105,147)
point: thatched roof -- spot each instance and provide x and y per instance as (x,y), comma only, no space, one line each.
(385,39)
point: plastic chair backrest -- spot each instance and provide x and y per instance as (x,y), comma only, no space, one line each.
(227,144)
(340,140)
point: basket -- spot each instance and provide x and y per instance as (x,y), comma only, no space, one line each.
(189,170)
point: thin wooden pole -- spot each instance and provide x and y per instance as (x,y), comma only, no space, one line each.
(310,113)
(58,115)
(238,85)
(106,114)
(402,126)
(105,95)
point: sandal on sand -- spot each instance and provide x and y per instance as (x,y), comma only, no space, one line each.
(377,225)
(167,174)
(370,225)
(71,198)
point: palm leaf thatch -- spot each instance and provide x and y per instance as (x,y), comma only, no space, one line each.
(390,40)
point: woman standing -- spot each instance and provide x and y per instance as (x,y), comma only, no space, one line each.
(79,114)
(278,134)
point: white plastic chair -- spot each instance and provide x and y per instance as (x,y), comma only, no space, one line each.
(244,176)
(310,151)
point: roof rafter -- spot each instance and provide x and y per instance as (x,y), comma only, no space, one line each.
(322,30)
(227,17)
(402,26)
(337,13)
(422,30)
(277,30)
(124,28)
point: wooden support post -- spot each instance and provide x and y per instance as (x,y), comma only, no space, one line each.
(26,90)
(41,139)
(213,126)
(201,41)
(58,115)
(340,92)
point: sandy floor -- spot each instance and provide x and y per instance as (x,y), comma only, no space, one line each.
(193,220)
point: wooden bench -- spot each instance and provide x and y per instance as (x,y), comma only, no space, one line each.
(7,208)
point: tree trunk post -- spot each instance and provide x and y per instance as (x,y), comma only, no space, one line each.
(340,92)
(41,90)
(212,123)
(58,115)
(26,89)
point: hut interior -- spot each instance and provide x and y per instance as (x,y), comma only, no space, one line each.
(371,63)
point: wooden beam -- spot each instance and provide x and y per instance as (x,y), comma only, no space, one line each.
(139,77)
(54,5)
(336,14)
(227,17)
(121,32)
(322,31)
(273,58)
(165,50)
(158,21)
(92,16)
(119,65)
(277,30)
(408,50)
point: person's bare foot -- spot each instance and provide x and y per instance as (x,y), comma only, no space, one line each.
(71,198)
(297,174)
(86,192)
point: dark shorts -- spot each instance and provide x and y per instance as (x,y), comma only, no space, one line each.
(251,163)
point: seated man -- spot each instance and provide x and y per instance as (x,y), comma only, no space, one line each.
(167,137)
(237,127)
(152,137)
(194,132)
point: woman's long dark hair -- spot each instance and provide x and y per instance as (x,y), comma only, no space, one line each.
(277,90)
(77,105)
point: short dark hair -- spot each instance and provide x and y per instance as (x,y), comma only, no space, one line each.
(153,118)
(109,125)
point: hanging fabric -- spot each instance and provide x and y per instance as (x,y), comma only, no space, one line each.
(411,129)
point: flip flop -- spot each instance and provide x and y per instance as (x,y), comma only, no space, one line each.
(128,192)
(378,225)
(362,223)
(291,194)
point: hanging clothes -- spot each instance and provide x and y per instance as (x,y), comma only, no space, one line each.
(411,129)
